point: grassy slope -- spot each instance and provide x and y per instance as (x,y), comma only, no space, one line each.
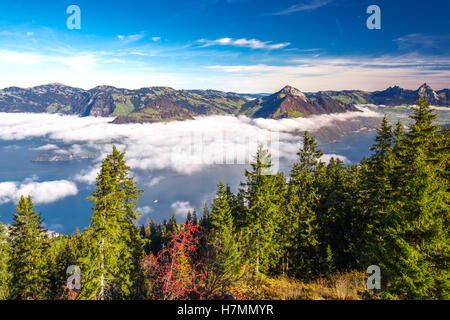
(343,286)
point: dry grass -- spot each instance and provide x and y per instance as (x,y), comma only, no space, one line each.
(343,286)
(349,286)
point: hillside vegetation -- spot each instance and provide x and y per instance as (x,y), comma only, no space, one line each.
(159,104)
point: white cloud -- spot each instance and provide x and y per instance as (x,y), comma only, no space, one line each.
(327,157)
(88,176)
(312,123)
(154,181)
(130,38)
(8,191)
(248,43)
(181,208)
(114,60)
(145,210)
(184,147)
(309,6)
(156,38)
(307,70)
(21,58)
(47,147)
(41,192)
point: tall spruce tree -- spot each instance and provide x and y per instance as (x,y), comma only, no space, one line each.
(224,262)
(4,261)
(194,218)
(380,168)
(350,227)
(303,245)
(414,253)
(110,269)
(333,213)
(376,188)
(188,217)
(27,263)
(261,220)
(171,227)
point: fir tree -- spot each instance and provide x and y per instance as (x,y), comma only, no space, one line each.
(189,217)
(156,238)
(172,226)
(110,269)
(224,263)
(205,249)
(261,221)
(4,261)
(194,218)
(377,187)
(205,221)
(27,264)
(302,239)
(414,252)
(332,216)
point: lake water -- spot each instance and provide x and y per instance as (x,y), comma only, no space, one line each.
(196,188)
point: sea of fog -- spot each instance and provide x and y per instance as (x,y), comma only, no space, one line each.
(177,164)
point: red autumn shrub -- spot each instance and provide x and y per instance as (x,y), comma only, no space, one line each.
(172,274)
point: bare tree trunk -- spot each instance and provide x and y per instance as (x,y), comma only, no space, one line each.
(257,257)
(101,294)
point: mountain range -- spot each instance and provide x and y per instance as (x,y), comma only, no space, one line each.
(392,96)
(155,104)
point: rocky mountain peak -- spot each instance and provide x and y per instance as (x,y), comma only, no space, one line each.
(424,86)
(428,92)
(288,90)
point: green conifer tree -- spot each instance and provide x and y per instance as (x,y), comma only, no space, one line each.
(27,263)
(4,262)
(110,270)
(225,260)
(189,216)
(262,217)
(171,226)
(377,188)
(414,250)
(303,245)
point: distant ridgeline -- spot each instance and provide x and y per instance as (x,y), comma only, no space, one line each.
(155,104)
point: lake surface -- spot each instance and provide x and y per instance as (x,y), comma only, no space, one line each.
(66,214)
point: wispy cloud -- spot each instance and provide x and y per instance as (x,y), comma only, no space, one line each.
(264,67)
(304,6)
(422,41)
(20,58)
(243,42)
(78,62)
(154,181)
(338,73)
(130,38)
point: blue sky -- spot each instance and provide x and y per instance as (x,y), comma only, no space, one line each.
(232,45)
